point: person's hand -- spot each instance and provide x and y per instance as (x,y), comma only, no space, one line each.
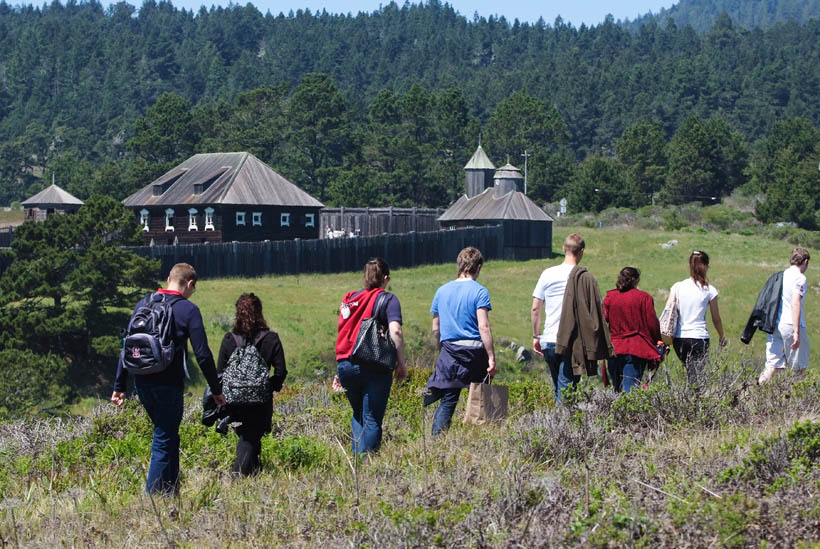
(118,398)
(492,370)
(219,399)
(536,346)
(400,372)
(722,341)
(796,342)
(337,385)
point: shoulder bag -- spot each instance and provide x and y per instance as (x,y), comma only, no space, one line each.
(670,317)
(373,345)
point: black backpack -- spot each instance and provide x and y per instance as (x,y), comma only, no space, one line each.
(149,340)
(245,379)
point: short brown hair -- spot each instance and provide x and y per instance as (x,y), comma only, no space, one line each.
(374,272)
(181,273)
(469,260)
(574,244)
(799,256)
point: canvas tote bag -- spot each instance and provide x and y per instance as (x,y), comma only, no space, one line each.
(670,317)
(486,402)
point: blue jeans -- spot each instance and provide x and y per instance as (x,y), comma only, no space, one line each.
(164,406)
(446,408)
(367,390)
(625,371)
(560,369)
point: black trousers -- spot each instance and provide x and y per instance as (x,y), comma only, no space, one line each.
(693,353)
(256,421)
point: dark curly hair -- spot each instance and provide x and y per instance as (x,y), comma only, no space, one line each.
(628,278)
(249,320)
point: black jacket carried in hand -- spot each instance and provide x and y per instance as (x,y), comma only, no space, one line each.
(766,310)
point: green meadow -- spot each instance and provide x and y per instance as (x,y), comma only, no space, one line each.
(730,464)
(303,309)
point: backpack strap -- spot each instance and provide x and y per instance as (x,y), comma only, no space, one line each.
(260,336)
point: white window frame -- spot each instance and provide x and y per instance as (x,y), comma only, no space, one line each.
(192,219)
(310,220)
(256,219)
(145,219)
(209,219)
(240,219)
(284,220)
(169,219)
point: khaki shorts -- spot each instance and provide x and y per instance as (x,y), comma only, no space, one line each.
(779,352)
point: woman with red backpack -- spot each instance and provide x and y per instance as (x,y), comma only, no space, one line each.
(367,383)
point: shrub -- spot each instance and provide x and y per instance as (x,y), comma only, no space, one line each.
(297,452)
(31,383)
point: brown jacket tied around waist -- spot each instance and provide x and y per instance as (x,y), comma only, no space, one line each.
(582,331)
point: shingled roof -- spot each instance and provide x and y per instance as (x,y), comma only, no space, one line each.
(488,206)
(237,178)
(52,196)
(479,161)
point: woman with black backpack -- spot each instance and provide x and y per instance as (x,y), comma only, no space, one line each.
(250,348)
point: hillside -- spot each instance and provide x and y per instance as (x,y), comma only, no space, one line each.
(76,78)
(731,464)
(748,14)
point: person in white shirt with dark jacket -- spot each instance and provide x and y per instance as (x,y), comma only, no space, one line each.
(789,343)
(695,296)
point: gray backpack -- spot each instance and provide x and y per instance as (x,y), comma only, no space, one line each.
(245,379)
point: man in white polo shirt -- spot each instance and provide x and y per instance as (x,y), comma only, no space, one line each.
(789,343)
(549,297)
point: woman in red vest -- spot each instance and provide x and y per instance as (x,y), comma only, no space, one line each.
(368,387)
(634,329)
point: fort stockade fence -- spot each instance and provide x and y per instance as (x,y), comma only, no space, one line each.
(248,259)
(287,257)
(375,221)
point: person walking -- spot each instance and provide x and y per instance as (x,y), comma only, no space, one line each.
(161,393)
(789,343)
(249,327)
(548,297)
(461,328)
(634,329)
(367,387)
(695,296)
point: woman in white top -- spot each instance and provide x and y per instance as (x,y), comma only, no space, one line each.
(695,295)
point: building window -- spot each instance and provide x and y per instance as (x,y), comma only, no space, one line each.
(284,220)
(310,220)
(209,219)
(169,219)
(144,217)
(192,220)
(240,219)
(257,219)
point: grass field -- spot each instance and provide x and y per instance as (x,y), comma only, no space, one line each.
(731,464)
(303,309)
(14,217)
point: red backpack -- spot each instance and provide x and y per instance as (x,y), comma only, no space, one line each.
(355,307)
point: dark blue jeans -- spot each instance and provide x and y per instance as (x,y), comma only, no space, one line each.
(446,408)
(367,390)
(625,371)
(560,369)
(164,405)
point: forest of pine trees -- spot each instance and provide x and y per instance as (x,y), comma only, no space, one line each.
(386,108)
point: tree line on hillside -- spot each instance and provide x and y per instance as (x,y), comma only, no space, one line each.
(107,99)
(410,150)
(749,14)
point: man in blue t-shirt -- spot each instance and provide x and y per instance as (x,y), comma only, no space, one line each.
(461,326)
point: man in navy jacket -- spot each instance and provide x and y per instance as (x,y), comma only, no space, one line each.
(162,393)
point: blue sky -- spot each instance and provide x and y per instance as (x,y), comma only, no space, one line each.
(576,12)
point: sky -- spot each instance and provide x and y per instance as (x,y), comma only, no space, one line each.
(590,12)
